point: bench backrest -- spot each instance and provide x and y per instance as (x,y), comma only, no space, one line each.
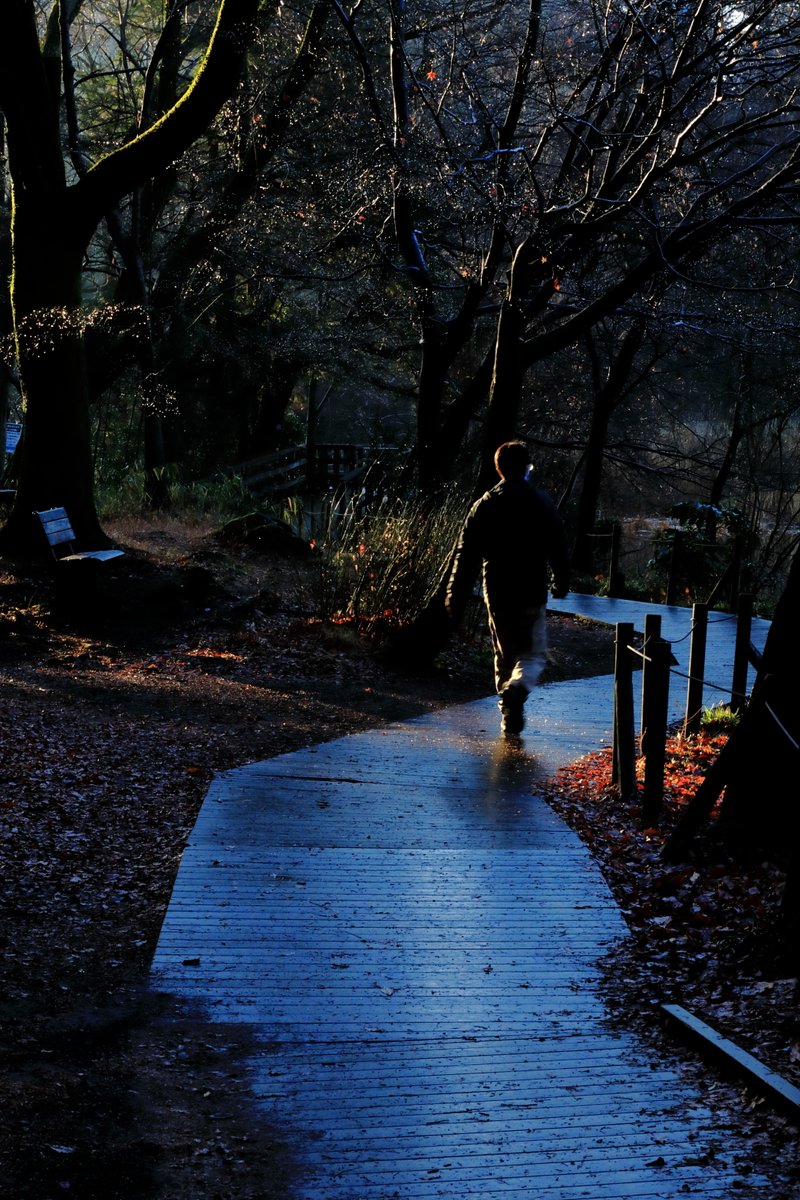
(56,526)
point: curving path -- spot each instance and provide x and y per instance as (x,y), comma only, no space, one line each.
(414,934)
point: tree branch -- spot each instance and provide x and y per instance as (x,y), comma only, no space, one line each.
(157,147)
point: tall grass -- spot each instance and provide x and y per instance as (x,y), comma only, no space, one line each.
(720,716)
(375,563)
(379,565)
(222,499)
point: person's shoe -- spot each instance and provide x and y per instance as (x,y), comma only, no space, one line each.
(511,706)
(512,724)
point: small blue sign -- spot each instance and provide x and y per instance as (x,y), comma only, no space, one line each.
(13,434)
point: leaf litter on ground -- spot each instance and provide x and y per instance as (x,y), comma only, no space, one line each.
(110,736)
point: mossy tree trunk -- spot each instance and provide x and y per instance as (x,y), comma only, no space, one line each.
(53,221)
(55,466)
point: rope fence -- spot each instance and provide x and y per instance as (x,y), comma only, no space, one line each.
(659,665)
(792,741)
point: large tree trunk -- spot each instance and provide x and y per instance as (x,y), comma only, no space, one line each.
(441,429)
(529,270)
(781,655)
(55,465)
(52,226)
(607,397)
(758,766)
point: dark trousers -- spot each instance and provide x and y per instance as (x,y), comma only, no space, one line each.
(519,639)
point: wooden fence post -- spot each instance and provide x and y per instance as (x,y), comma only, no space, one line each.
(741,653)
(624,761)
(652,633)
(736,573)
(697,666)
(675,563)
(655,710)
(615,581)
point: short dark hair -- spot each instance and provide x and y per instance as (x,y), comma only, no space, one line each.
(512,460)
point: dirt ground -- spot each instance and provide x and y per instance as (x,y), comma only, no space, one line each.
(192,658)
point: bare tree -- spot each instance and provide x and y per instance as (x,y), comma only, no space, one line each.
(547,180)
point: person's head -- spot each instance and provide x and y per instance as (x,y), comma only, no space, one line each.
(511,460)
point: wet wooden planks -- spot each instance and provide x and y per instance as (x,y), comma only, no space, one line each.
(412,938)
(507,1117)
(414,934)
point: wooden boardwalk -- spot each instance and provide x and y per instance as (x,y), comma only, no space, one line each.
(414,935)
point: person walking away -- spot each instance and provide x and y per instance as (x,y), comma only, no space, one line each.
(513,535)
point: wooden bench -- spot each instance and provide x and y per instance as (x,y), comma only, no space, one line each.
(61,538)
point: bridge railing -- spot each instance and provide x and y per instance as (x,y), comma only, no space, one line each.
(297,469)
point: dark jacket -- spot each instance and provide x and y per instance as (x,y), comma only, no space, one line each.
(513,534)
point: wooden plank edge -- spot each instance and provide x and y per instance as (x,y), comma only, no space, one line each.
(754,1071)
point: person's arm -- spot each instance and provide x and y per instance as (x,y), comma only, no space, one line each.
(466,567)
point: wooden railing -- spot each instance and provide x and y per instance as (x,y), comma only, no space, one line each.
(658,665)
(298,469)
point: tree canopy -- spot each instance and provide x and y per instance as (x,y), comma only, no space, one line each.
(506,219)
